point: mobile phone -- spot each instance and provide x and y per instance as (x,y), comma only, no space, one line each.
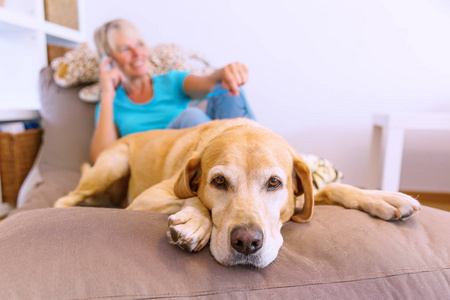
(113,64)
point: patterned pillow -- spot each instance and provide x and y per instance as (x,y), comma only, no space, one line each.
(75,67)
(322,171)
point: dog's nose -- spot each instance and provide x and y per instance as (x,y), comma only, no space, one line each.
(246,239)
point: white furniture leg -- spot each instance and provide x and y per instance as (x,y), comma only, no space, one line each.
(392,159)
(387,144)
(375,163)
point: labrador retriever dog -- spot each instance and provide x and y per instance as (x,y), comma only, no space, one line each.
(230,182)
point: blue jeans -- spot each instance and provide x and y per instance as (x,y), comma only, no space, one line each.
(222,106)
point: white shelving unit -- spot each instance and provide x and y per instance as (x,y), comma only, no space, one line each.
(24,34)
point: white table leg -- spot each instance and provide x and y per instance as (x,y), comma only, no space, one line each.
(375,166)
(392,160)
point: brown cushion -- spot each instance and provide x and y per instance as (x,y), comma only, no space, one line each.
(86,253)
(54,184)
(68,123)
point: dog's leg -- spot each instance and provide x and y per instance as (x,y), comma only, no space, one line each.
(190,228)
(111,165)
(158,198)
(384,205)
(190,221)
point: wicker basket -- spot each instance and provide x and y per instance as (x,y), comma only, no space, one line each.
(17,155)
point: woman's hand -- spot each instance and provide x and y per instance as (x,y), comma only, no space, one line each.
(233,76)
(110,78)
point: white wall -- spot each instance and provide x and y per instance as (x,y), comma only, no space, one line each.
(320,69)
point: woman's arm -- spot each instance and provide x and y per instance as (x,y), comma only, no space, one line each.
(106,131)
(232,76)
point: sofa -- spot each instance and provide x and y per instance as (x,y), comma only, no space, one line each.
(110,253)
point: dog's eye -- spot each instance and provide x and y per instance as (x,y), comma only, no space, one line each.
(219,182)
(273,184)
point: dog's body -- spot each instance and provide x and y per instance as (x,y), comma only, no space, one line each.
(229,180)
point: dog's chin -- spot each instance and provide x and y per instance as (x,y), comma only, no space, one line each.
(233,258)
(227,256)
(253,260)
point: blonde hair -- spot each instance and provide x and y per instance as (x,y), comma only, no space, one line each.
(104,35)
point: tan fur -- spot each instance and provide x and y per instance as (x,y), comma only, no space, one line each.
(175,172)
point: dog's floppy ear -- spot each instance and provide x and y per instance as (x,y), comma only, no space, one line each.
(187,183)
(303,185)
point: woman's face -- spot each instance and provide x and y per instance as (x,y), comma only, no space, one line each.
(130,55)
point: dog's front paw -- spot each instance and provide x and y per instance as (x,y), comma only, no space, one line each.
(392,206)
(189,229)
(67,201)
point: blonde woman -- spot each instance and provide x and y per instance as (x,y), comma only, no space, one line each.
(133,101)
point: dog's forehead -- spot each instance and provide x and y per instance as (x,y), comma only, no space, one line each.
(248,145)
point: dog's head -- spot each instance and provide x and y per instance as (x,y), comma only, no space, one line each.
(249,178)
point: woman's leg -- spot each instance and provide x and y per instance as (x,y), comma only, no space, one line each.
(190,117)
(224,106)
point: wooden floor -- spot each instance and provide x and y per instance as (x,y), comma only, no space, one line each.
(436,200)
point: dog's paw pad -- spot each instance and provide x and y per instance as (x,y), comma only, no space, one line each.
(180,242)
(188,244)
(189,231)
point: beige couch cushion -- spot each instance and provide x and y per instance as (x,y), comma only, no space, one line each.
(95,253)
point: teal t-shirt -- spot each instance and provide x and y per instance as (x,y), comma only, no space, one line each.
(169,100)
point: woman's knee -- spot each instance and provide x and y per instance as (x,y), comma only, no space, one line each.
(224,106)
(190,117)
